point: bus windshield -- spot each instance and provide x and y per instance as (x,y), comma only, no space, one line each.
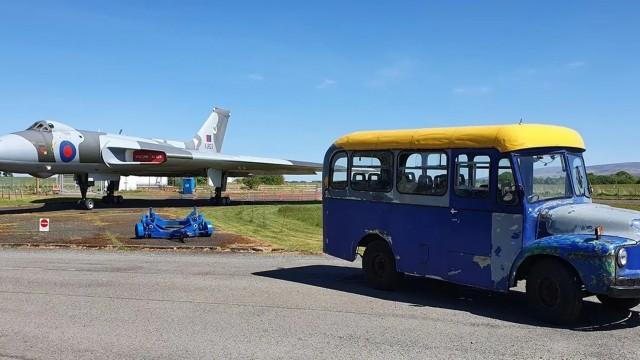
(545,177)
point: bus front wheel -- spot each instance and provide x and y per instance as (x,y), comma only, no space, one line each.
(379,266)
(554,292)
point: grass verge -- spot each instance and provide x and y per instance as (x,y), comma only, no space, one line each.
(290,227)
(114,241)
(26,200)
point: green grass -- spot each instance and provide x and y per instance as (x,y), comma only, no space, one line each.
(290,227)
(16,202)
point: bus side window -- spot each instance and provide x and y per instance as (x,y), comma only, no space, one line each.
(422,173)
(507,193)
(372,171)
(472,176)
(339,171)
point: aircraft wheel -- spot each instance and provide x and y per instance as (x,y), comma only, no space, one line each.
(118,199)
(88,204)
(224,201)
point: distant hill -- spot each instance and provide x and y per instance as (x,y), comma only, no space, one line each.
(632,168)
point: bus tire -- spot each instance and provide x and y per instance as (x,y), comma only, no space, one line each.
(379,266)
(620,304)
(554,292)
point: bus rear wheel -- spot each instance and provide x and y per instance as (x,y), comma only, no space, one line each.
(554,292)
(379,266)
(621,304)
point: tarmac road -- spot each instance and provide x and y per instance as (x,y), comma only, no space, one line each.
(124,305)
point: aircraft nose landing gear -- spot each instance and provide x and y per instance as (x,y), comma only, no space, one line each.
(83,182)
(86,204)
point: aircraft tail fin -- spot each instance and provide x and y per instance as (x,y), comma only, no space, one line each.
(211,134)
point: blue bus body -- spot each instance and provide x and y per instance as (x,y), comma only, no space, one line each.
(478,241)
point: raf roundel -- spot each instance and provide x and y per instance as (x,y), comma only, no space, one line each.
(67,151)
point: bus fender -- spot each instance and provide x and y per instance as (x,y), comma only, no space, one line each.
(371,235)
(592,259)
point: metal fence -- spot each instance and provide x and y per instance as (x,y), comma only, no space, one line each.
(17,187)
(617,191)
(20,187)
(288,192)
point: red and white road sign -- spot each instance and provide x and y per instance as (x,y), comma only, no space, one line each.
(44,224)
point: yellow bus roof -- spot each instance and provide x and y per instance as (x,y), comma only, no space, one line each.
(505,138)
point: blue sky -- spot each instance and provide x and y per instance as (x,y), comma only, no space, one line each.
(298,74)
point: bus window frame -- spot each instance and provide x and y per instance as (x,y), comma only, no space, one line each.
(420,151)
(334,156)
(499,202)
(473,192)
(362,153)
(537,152)
(587,189)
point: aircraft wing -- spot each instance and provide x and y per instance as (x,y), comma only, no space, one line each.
(239,165)
(157,159)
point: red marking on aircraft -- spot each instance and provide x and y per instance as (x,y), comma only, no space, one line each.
(67,151)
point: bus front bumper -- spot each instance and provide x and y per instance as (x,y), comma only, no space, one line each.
(625,288)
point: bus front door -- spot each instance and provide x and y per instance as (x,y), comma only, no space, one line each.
(469,235)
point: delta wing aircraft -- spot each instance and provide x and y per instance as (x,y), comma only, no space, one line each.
(47,148)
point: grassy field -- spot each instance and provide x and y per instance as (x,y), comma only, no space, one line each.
(290,227)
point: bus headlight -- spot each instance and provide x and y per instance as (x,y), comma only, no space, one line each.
(622,257)
(635,224)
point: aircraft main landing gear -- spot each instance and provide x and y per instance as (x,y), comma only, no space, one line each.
(220,200)
(83,182)
(111,198)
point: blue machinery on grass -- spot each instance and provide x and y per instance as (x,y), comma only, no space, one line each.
(151,225)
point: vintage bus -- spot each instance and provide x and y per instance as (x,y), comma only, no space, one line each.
(481,206)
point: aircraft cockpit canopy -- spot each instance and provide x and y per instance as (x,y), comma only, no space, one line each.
(41,126)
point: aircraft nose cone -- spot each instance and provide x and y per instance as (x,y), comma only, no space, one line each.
(16,149)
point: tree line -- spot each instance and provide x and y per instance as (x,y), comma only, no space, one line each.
(621,177)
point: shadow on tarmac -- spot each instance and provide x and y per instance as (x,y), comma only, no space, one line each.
(424,292)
